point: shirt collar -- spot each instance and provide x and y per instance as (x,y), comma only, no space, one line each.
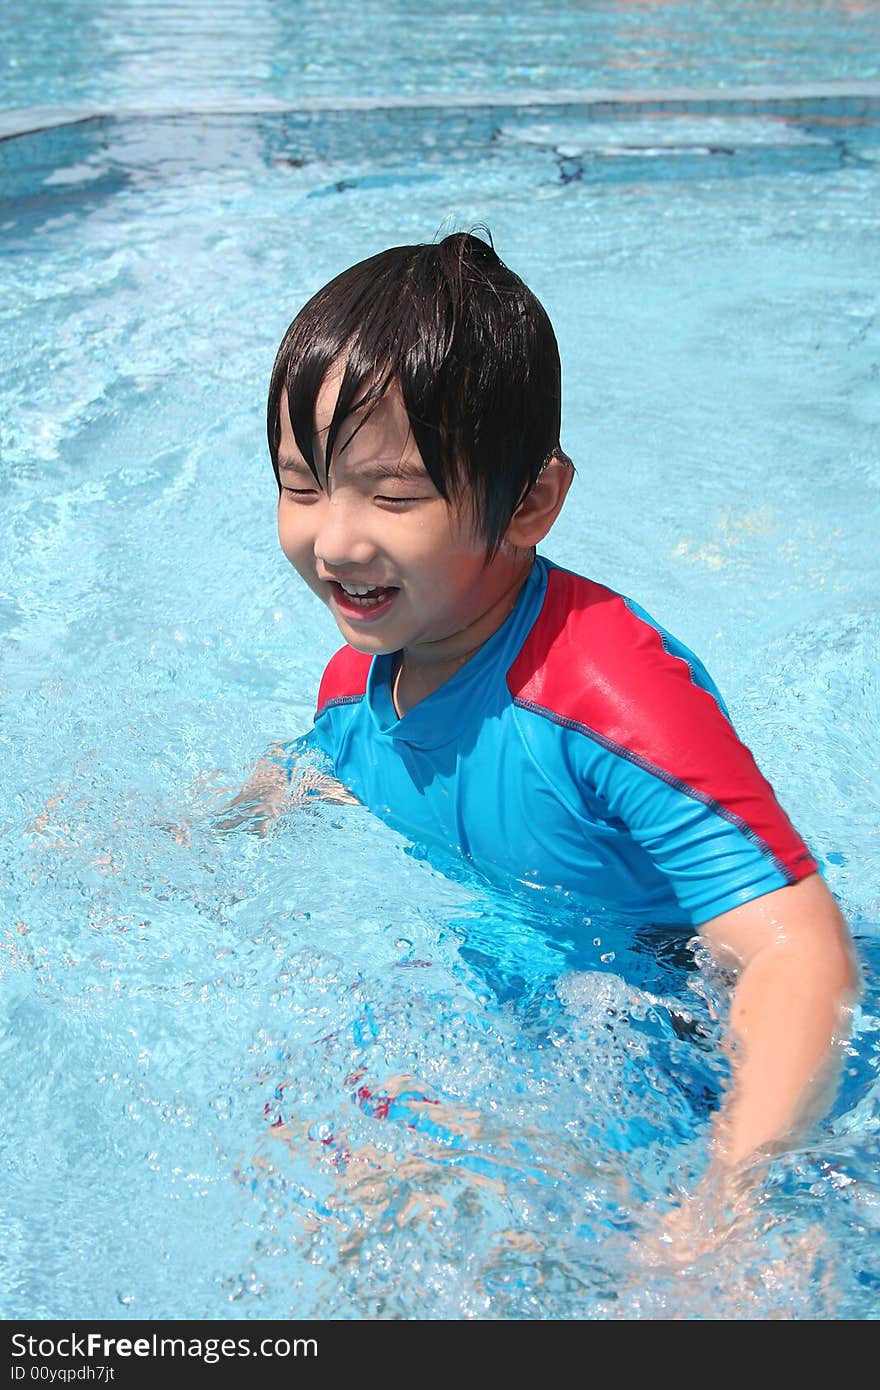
(437,719)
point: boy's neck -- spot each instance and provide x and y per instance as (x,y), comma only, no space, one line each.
(423,669)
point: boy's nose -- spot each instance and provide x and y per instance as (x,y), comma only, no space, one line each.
(340,543)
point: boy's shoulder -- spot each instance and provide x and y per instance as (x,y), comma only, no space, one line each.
(597,658)
(595,664)
(344,679)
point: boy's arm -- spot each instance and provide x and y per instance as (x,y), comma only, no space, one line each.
(261,798)
(275,785)
(797,977)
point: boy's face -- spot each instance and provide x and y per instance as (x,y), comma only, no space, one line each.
(399,567)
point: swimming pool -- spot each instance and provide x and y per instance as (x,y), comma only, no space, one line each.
(129,54)
(308,1073)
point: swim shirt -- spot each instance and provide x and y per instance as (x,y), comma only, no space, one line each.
(582,748)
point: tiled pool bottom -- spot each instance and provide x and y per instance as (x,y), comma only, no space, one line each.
(383,1090)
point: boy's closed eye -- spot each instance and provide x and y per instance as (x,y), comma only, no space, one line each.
(393,486)
(298,481)
(293,490)
(397,485)
(407,496)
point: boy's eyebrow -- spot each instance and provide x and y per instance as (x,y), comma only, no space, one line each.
(372,471)
(406,469)
(296,466)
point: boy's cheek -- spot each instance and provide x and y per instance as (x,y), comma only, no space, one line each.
(304,566)
(307,574)
(299,552)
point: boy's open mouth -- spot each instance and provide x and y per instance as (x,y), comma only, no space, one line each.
(360,600)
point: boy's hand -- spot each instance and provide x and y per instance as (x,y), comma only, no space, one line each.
(703,1219)
(728,1251)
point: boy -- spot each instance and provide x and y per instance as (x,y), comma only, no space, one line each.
(493,703)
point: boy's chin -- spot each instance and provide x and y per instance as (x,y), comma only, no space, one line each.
(369,644)
(369,648)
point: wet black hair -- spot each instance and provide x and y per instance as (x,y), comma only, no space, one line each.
(472,350)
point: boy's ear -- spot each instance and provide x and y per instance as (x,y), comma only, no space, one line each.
(541,506)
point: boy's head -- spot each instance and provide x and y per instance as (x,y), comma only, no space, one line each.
(471,351)
(414,431)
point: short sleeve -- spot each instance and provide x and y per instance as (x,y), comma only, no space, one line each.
(658,748)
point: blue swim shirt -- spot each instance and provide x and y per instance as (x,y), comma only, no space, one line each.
(582,748)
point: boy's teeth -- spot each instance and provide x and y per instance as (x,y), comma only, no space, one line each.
(367,595)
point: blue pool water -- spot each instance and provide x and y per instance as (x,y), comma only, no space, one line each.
(184,54)
(309,1073)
